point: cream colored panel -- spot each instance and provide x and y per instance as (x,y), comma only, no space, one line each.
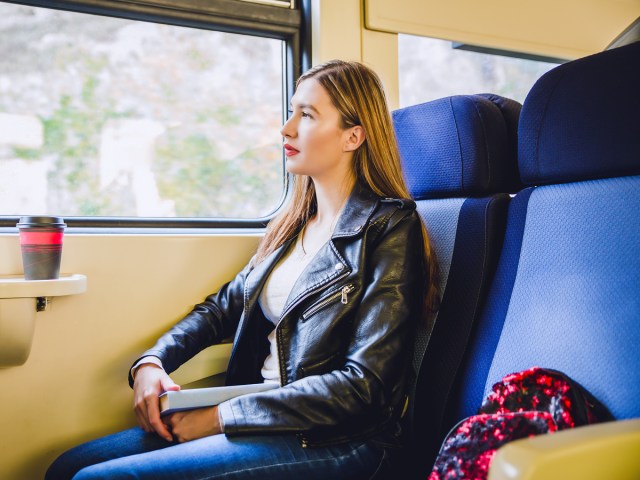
(74,385)
(338,32)
(593,452)
(380,52)
(557,28)
(335,30)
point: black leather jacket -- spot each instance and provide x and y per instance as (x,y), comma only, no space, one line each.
(345,334)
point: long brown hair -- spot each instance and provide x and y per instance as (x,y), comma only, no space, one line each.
(357,93)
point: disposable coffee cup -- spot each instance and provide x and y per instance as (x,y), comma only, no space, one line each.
(41,245)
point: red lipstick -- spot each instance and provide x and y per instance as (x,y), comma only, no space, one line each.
(289,150)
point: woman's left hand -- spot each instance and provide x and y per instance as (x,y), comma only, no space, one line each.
(193,424)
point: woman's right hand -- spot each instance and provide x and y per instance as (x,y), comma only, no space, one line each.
(150,381)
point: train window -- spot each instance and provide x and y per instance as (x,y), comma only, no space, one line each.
(115,117)
(431,69)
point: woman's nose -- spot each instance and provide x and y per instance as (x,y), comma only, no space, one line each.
(288,129)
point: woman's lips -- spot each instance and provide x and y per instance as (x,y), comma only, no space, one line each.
(289,150)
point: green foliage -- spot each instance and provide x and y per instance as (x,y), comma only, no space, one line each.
(189,170)
(25,153)
(71,143)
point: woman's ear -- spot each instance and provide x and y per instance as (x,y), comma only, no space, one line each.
(355,138)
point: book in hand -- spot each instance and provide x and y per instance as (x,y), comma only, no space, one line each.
(171,402)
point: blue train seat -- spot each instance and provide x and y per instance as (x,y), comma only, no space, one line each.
(566,293)
(459,160)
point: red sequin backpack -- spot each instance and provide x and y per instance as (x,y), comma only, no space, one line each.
(522,405)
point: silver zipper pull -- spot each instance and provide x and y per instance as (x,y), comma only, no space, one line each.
(345,291)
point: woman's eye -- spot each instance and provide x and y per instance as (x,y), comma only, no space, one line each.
(303,113)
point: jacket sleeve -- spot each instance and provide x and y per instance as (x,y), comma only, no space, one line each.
(370,384)
(211,321)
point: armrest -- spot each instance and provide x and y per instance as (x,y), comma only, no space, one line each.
(605,450)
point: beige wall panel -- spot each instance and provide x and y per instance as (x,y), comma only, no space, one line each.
(380,52)
(557,28)
(335,30)
(338,32)
(73,386)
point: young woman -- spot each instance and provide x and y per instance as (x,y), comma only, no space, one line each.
(326,308)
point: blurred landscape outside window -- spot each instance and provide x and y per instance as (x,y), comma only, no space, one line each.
(109,117)
(430,69)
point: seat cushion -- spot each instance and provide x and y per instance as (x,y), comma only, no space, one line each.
(566,294)
(466,235)
(576,297)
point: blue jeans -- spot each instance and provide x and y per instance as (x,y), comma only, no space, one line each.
(136,454)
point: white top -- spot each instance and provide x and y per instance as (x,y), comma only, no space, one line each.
(274,295)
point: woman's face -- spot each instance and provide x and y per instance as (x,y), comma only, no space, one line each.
(314,142)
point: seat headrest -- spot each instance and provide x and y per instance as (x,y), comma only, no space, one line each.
(459,146)
(581,120)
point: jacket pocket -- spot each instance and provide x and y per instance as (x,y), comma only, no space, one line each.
(341,294)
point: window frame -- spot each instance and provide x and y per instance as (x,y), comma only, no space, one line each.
(286,23)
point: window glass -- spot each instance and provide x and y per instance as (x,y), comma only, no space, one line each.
(109,117)
(431,69)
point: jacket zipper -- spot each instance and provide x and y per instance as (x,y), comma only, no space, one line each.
(311,292)
(283,373)
(342,294)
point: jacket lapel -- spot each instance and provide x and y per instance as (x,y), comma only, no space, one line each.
(357,212)
(324,268)
(328,265)
(257,277)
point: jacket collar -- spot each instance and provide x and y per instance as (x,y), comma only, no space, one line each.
(357,211)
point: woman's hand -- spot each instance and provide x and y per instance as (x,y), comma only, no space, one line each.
(193,424)
(150,381)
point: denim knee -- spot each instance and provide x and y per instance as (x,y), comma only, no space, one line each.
(63,468)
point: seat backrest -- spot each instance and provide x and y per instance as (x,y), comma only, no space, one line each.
(459,160)
(566,294)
